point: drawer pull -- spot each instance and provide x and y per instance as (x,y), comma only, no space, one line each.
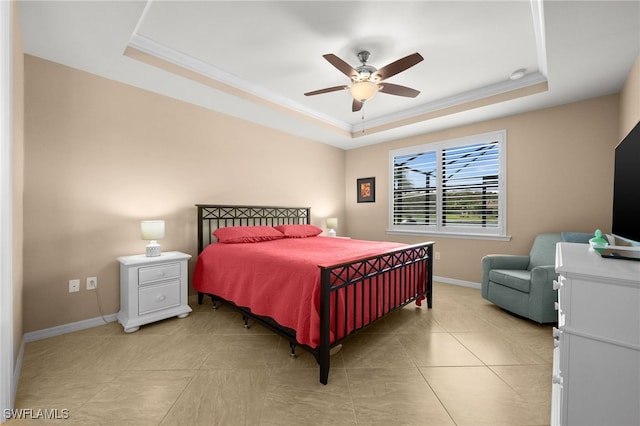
(556,285)
(557,331)
(557,380)
(161,297)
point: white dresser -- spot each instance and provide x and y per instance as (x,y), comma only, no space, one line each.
(596,360)
(152,288)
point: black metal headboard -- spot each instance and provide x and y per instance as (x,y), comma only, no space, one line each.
(212,217)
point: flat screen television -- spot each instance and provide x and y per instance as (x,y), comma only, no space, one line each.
(626,189)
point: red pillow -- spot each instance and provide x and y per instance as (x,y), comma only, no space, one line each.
(299,231)
(246,234)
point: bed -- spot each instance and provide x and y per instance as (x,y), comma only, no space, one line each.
(271,265)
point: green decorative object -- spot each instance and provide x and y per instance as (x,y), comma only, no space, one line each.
(598,242)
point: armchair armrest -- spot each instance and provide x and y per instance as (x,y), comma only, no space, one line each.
(500,261)
(542,294)
(543,274)
(504,261)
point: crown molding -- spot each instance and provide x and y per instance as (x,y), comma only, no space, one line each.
(164,53)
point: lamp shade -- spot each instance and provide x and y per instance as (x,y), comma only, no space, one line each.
(363,90)
(152,229)
(332,222)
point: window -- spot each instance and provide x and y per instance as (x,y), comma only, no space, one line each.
(450,187)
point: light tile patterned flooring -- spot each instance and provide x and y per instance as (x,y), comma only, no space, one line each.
(463,362)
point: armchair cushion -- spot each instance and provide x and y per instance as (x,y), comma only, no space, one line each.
(516,279)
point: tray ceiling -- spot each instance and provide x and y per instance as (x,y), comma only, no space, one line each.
(254,60)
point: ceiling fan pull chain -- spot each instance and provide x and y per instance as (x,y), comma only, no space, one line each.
(363,118)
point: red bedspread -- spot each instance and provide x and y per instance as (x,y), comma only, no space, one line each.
(280,278)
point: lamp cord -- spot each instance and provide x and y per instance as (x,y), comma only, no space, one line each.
(100,307)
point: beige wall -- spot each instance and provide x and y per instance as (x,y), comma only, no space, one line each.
(100,156)
(18,177)
(559,178)
(630,101)
(92,146)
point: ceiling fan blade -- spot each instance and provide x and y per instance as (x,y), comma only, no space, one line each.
(344,67)
(356,106)
(396,89)
(327,90)
(398,66)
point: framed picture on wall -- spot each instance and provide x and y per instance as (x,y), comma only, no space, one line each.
(366,190)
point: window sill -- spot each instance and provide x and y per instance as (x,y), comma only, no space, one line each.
(452,235)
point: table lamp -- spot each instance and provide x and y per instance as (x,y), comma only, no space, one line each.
(332,224)
(152,230)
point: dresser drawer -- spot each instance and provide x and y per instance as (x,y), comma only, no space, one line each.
(603,310)
(150,274)
(158,297)
(603,388)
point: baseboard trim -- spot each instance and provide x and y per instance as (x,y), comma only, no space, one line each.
(33,336)
(456,282)
(51,332)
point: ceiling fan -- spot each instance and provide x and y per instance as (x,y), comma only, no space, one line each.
(366,80)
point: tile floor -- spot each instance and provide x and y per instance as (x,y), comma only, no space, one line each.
(464,362)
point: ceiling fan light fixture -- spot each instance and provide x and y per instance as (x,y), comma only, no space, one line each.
(363,90)
(367,80)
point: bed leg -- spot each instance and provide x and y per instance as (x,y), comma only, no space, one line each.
(200,298)
(292,345)
(246,321)
(324,369)
(214,302)
(429,293)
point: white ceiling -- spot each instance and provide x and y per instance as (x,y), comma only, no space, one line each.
(255,59)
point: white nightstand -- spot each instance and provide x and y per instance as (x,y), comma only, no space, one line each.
(152,288)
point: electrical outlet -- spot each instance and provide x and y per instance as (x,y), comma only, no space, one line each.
(92,283)
(437,255)
(74,285)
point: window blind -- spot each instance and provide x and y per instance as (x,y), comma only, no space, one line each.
(450,187)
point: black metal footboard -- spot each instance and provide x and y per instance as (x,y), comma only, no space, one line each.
(357,293)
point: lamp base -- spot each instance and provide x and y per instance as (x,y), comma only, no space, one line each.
(153,249)
(331,232)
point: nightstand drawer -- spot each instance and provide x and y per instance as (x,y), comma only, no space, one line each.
(157,297)
(151,274)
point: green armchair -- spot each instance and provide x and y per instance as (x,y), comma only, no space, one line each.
(523,285)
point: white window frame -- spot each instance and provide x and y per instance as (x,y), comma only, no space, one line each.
(437,229)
